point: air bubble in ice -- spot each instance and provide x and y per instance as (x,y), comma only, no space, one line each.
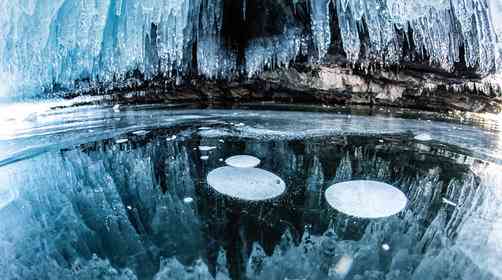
(423,137)
(366,199)
(141,132)
(385,247)
(252,184)
(121,141)
(242,161)
(206,148)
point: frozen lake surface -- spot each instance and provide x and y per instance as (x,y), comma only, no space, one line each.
(151,192)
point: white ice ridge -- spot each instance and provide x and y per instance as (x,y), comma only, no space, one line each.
(252,184)
(366,199)
(46,45)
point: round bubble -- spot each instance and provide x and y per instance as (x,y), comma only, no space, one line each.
(243,161)
(423,137)
(366,199)
(246,183)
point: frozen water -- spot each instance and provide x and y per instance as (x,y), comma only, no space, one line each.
(243,161)
(366,199)
(385,247)
(449,202)
(141,132)
(188,200)
(423,137)
(7,195)
(121,141)
(79,194)
(246,183)
(342,267)
(206,148)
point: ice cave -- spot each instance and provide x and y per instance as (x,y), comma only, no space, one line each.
(251,139)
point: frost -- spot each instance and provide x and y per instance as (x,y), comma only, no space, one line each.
(246,183)
(242,161)
(366,199)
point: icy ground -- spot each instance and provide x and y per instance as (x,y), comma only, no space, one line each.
(75,203)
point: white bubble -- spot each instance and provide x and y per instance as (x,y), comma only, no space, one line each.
(141,132)
(246,183)
(366,199)
(116,108)
(204,157)
(423,137)
(385,247)
(188,200)
(243,161)
(206,148)
(121,141)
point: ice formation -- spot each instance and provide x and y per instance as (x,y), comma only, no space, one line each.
(242,161)
(55,45)
(246,183)
(366,199)
(423,137)
(106,216)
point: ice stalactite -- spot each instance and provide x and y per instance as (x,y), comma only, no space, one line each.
(49,46)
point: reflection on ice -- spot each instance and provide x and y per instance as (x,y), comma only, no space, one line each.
(246,183)
(242,161)
(366,199)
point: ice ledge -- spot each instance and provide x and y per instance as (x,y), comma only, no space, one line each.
(321,85)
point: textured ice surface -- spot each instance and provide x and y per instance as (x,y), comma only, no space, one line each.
(48,45)
(246,183)
(6,195)
(105,199)
(366,199)
(242,161)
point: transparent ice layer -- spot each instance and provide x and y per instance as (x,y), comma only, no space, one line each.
(76,202)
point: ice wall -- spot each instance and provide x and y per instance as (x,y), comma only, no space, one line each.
(47,45)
